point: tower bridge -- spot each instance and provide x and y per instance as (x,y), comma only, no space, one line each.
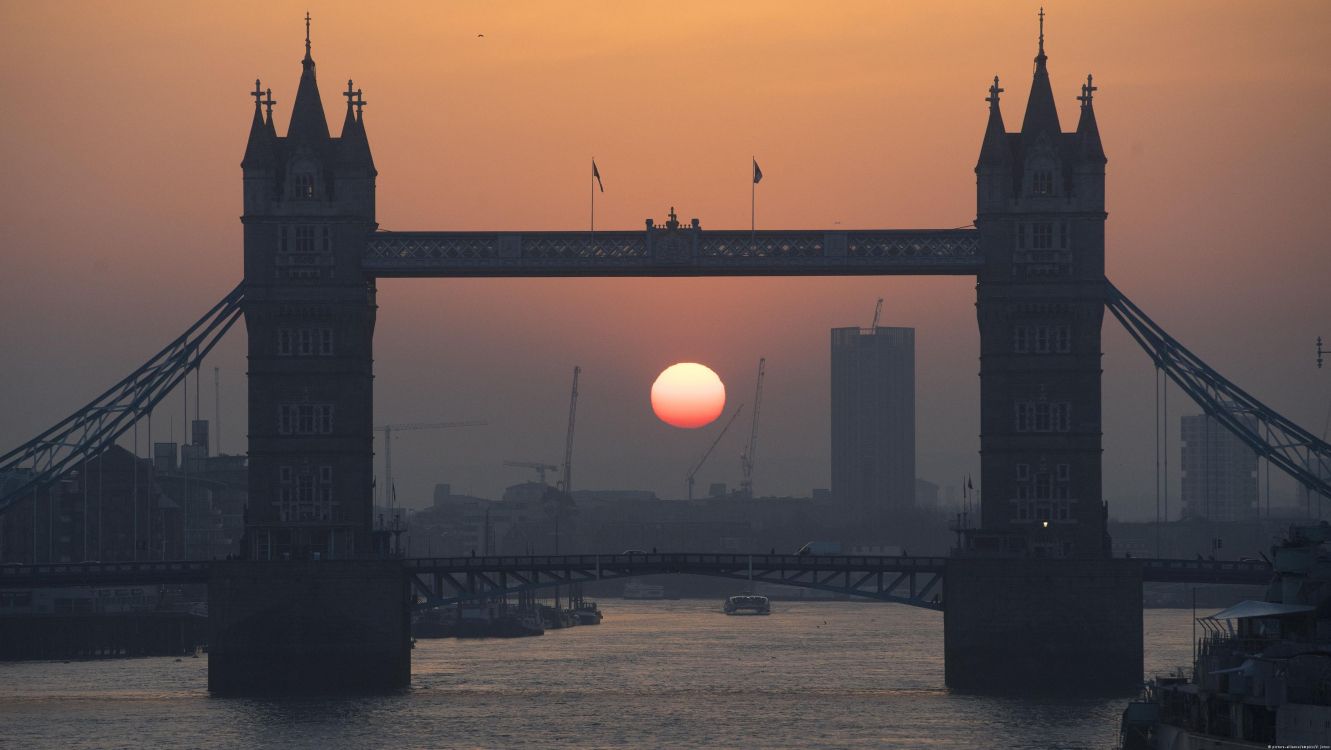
(313,253)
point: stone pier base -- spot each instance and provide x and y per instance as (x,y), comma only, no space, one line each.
(308,628)
(1030,625)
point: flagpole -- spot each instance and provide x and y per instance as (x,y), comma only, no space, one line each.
(593,187)
(753,198)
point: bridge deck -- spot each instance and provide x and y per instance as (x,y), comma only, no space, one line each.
(686,251)
(834,572)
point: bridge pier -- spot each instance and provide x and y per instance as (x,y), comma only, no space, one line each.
(1030,625)
(308,627)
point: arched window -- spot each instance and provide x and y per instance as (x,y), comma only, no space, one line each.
(304,180)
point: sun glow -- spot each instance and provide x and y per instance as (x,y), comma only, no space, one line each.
(688,395)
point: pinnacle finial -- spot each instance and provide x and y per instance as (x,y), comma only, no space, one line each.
(994,91)
(1087,91)
(307,34)
(354,99)
(1041,31)
(268,103)
(257,93)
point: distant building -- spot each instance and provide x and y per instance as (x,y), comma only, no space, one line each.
(1219,472)
(873,421)
(112,507)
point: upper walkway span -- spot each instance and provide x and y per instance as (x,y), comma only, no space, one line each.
(673,251)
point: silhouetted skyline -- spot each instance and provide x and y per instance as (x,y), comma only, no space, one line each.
(123,228)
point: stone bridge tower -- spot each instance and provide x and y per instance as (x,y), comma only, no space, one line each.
(1040,302)
(309,311)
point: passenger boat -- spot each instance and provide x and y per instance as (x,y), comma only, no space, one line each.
(587,613)
(748,604)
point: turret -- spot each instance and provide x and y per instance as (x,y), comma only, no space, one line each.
(993,173)
(259,164)
(354,171)
(1089,172)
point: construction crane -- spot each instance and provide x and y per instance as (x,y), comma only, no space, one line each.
(711,448)
(568,440)
(539,467)
(877,313)
(746,458)
(388,431)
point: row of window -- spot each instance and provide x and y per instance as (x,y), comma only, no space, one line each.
(305,342)
(1043,416)
(305,419)
(1042,235)
(1043,510)
(1043,487)
(1062,472)
(301,497)
(306,238)
(1041,339)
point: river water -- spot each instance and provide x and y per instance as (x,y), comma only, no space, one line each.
(674,674)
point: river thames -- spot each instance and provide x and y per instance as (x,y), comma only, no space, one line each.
(673,674)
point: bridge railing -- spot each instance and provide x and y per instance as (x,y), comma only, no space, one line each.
(674,251)
(1203,571)
(492,562)
(109,573)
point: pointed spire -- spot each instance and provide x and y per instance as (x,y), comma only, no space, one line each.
(994,150)
(354,146)
(307,114)
(1041,112)
(1088,133)
(258,150)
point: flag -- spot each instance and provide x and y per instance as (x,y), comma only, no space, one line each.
(968,482)
(757,173)
(597,174)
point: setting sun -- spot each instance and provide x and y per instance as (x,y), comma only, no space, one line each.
(688,395)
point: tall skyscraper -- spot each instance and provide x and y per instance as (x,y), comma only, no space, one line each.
(873,421)
(1219,472)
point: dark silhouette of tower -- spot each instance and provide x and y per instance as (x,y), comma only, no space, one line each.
(1040,303)
(310,312)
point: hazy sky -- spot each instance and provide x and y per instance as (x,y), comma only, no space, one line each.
(125,123)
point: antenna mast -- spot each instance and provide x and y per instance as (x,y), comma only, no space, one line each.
(568,441)
(746,460)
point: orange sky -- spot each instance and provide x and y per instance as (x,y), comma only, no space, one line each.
(125,123)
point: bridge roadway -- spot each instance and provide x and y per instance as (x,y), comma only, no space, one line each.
(445,580)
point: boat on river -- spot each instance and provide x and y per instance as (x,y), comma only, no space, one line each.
(1261,674)
(748,604)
